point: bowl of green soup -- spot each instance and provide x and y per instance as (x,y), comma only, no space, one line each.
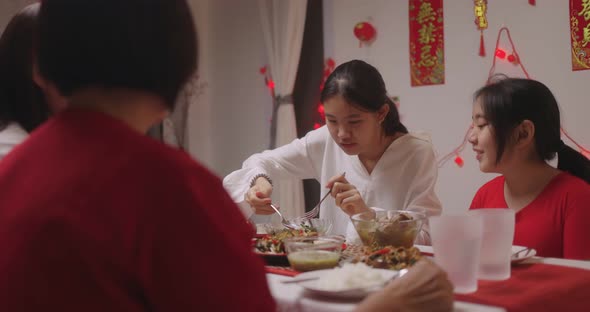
(313,252)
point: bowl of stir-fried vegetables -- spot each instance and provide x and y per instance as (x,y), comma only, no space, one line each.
(273,241)
(392,258)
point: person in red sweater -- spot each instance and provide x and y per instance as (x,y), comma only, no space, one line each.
(516,130)
(96,216)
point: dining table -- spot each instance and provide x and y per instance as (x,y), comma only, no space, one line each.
(292,297)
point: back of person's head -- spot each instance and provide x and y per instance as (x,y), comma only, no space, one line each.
(508,102)
(361,85)
(21,100)
(143,45)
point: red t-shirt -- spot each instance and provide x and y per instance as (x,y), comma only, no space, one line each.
(97,217)
(556,223)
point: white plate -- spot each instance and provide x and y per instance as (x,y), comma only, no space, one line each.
(523,255)
(355,293)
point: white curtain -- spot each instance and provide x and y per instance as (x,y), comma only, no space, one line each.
(282,26)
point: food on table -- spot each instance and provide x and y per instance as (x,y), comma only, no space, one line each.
(309,260)
(395,232)
(393,258)
(273,243)
(388,228)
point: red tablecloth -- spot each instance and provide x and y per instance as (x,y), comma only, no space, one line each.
(536,287)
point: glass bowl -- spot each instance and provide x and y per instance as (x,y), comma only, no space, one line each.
(397,228)
(313,252)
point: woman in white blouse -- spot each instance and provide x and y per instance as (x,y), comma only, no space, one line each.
(385,166)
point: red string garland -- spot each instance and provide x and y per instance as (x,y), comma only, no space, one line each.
(515,59)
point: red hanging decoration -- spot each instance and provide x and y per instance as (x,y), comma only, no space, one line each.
(500,53)
(364,32)
(270,84)
(512,59)
(329,65)
(459,161)
(532,2)
(456,152)
(480,9)
(427,42)
(482,48)
(580,34)
(268,80)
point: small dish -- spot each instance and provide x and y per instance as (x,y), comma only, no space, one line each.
(520,253)
(314,277)
(313,252)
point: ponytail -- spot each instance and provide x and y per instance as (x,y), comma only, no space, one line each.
(392,123)
(573,162)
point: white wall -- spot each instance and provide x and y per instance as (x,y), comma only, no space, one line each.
(200,115)
(541,36)
(239,105)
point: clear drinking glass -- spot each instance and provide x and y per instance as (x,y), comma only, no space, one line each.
(496,244)
(456,240)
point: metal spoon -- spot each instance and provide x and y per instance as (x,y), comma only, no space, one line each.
(285,222)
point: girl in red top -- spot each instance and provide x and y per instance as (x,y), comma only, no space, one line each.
(516,130)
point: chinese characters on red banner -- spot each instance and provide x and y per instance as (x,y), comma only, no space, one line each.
(580,33)
(427,62)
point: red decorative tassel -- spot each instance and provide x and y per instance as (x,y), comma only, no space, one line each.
(482,48)
(532,2)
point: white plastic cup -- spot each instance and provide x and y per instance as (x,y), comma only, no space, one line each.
(456,240)
(496,244)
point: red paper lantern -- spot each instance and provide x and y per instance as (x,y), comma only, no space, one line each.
(365,32)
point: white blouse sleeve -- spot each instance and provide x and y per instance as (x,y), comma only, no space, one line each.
(300,158)
(421,196)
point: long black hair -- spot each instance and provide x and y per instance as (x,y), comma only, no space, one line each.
(361,85)
(508,102)
(21,100)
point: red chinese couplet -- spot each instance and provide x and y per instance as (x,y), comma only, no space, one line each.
(580,33)
(427,56)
